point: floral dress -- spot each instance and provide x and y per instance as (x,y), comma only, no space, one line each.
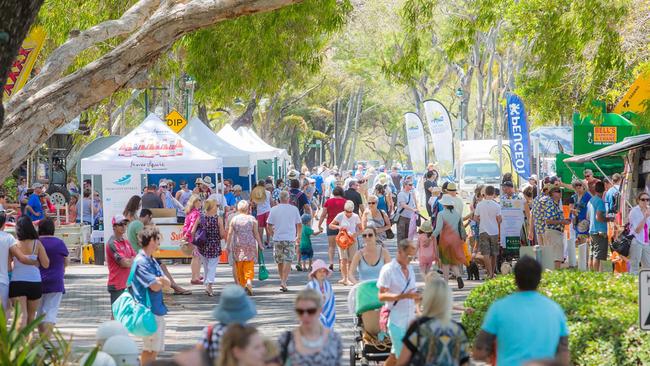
(244,243)
(212,247)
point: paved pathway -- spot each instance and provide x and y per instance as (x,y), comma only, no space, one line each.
(86,303)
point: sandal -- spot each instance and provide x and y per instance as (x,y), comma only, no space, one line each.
(283,289)
(184,292)
(248,290)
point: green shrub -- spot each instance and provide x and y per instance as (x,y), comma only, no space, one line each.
(601,309)
(23,347)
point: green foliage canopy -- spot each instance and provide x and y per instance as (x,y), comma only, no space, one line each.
(258,53)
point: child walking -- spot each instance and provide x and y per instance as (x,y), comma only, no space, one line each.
(318,281)
(306,250)
(427,248)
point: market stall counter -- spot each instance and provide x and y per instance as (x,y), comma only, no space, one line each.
(171,233)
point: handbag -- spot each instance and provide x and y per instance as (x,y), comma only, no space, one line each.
(384,312)
(137,318)
(263,271)
(389,233)
(200,236)
(344,240)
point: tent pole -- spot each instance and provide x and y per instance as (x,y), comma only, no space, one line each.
(250,184)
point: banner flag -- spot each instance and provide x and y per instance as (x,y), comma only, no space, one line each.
(441,135)
(518,131)
(21,68)
(416,143)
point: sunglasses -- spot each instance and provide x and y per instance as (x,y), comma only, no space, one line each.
(368,235)
(310,311)
(410,184)
(644,199)
(372,203)
(588,176)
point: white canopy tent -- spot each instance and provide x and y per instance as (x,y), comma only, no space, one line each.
(258,151)
(197,133)
(252,136)
(151,148)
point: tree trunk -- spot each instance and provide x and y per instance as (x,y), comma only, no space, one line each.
(45,110)
(346,132)
(246,119)
(355,131)
(203,113)
(16,17)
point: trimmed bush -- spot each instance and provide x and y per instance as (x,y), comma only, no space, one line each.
(601,309)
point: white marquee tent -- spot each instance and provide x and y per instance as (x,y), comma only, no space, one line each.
(152,147)
(249,134)
(197,133)
(257,150)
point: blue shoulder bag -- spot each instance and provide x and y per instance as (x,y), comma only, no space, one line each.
(137,318)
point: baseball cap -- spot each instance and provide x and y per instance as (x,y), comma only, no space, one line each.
(119,219)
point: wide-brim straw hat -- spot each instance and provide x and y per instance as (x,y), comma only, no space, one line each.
(258,195)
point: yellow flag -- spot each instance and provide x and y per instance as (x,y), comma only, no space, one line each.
(21,69)
(634,99)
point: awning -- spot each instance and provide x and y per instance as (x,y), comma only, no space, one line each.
(627,144)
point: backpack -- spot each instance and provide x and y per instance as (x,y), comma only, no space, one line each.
(294,198)
(616,199)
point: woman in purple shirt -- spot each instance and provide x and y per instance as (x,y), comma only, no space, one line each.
(51,277)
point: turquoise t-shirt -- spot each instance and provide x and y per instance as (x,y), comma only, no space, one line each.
(305,237)
(528,326)
(596,204)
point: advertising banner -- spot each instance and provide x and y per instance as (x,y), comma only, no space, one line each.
(512,220)
(416,142)
(21,69)
(441,135)
(117,188)
(518,131)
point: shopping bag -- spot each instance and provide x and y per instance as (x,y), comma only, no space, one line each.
(263,271)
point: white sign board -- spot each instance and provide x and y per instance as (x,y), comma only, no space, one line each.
(644,299)
(117,188)
(512,220)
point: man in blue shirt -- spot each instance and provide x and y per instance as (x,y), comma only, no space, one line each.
(597,227)
(34,209)
(526,325)
(612,195)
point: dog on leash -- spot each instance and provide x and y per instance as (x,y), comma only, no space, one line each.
(472,271)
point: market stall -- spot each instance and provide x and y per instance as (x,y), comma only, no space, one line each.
(282,157)
(238,164)
(151,148)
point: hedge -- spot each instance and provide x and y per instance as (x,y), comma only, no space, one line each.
(601,308)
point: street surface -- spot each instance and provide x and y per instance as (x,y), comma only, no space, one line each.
(86,303)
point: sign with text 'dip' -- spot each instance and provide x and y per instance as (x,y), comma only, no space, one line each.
(175,121)
(644,299)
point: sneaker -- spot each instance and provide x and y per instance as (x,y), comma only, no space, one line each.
(298,268)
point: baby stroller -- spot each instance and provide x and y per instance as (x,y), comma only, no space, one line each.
(371,344)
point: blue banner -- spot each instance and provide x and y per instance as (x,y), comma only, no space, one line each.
(518,131)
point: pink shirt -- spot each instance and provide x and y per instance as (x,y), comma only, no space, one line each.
(190,219)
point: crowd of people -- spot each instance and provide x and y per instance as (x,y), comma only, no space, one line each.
(358,212)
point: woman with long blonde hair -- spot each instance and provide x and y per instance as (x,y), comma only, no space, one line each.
(241,345)
(192,215)
(423,343)
(210,252)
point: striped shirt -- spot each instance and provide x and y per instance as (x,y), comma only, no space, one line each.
(328,314)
